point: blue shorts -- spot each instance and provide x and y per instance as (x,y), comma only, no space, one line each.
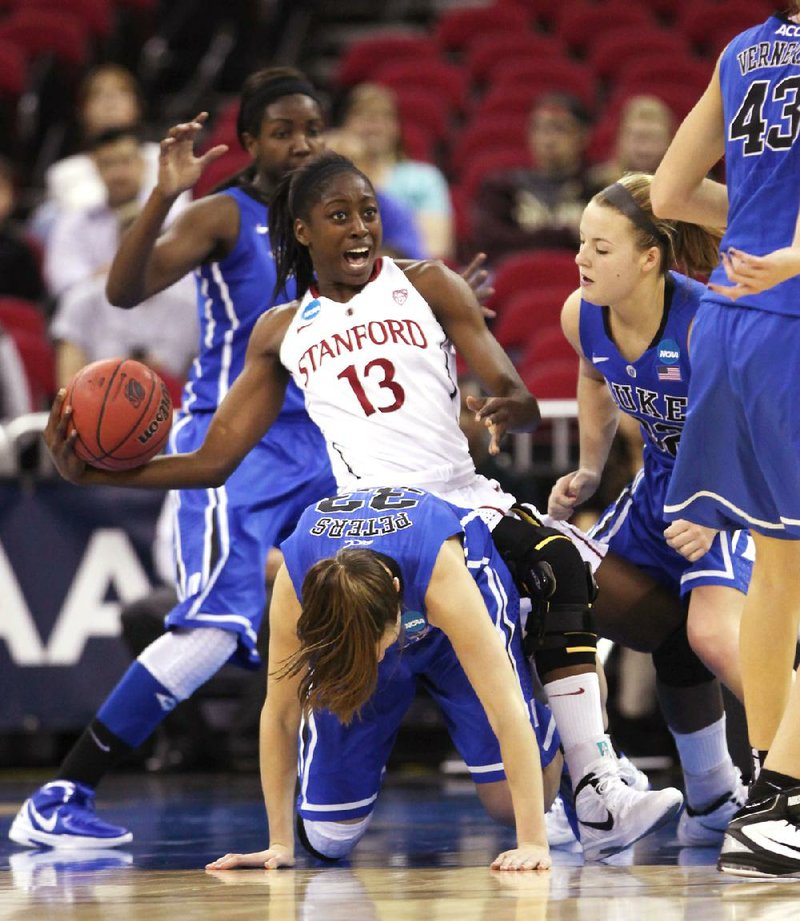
(341,767)
(222,536)
(739,460)
(633,528)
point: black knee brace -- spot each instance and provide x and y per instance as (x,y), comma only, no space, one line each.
(548,569)
(677,664)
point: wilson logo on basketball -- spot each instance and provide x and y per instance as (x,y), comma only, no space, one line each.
(400,296)
(163,413)
(134,392)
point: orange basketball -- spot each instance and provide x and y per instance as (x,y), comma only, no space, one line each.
(122,412)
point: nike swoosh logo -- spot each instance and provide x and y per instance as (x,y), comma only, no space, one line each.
(569,693)
(301,328)
(598,358)
(600,826)
(47,824)
(262,228)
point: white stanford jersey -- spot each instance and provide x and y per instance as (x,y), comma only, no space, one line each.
(378,375)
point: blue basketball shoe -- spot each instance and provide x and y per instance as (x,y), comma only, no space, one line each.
(61,814)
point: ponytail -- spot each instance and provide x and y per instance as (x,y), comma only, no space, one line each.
(691,248)
(348,603)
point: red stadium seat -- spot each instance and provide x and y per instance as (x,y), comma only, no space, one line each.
(546,76)
(547,344)
(487,52)
(611,53)
(524,314)
(418,143)
(659,70)
(709,26)
(227,166)
(434,76)
(362,58)
(458,28)
(528,271)
(504,131)
(553,380)
(18,314)
(13,70)
(580,25)
(38,359)
(38,32)
(96,15)
(420,107)
(541,12)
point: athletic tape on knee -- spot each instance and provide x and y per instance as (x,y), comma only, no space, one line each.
(677,664)
(182,660)
(334,840)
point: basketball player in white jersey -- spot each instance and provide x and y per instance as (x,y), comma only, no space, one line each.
(370,343)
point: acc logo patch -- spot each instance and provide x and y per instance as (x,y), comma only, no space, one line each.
(400,296)
(311,309)
(668,352)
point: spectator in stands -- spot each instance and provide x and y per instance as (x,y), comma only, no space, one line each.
(645,129)
(401,238)
(108,98)
(539,206)
(19,264)
(371,115)
(77,257)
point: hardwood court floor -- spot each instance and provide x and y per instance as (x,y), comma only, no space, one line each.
(424,858)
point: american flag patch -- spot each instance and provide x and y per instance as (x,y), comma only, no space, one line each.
(669,372)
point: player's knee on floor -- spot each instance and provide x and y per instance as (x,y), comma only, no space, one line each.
(331,841)
(548,568)
(677,665)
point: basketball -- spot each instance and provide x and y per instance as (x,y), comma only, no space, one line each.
(122,412)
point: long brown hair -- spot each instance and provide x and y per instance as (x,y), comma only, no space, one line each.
(348,602)
(688,247)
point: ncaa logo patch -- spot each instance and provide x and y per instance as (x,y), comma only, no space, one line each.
(311,309)
(668,352)
(400,296)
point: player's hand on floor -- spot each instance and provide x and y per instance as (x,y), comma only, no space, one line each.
(525,857)
(570,491)
(690,540)
(270,859)
(60,441)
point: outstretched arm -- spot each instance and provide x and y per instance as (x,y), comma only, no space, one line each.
(280,724)
(455,605)
(145,262)
(598,418)
(510,406)
(242,419)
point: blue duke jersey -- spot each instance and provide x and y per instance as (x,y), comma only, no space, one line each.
(760,80)
(223,535)
(232,293)
(654,390)
(342,766)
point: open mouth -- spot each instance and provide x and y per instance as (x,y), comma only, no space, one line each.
(357,257)
(585,280)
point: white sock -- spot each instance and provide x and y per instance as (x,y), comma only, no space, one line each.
(575,702)
(708,770)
